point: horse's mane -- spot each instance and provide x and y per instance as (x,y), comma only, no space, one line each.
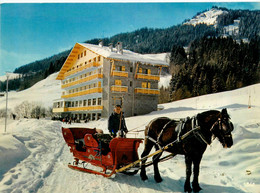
(210,112)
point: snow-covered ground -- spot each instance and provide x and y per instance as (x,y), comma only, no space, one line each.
(34,156)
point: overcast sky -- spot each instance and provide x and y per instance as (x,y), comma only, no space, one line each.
(31,32)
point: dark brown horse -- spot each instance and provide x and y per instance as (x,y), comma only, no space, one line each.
(202,128)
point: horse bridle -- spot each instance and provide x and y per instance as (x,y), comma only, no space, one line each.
(219,123)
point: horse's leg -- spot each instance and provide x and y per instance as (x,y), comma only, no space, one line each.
(157,176)
(196,169)
(188,162)
(148,147)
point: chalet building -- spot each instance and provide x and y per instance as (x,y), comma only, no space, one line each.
(94,78)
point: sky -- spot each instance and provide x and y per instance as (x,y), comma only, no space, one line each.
(34,31)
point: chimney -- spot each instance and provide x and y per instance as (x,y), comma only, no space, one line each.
(101,43)
(111,47)
(119,47)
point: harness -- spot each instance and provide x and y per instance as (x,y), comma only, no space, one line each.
(195,131)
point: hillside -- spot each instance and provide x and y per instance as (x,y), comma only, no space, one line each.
(214,22)
(38,156)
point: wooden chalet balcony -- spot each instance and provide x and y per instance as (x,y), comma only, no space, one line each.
(88,78)
(83,67)
(148,77)
(147,91)
(85,92)
(69,109)
(119,73)
(116,88)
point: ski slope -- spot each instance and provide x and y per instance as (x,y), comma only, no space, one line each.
(34,156)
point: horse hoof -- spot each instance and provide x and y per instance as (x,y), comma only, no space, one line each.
(158,180)
(144,177)
(189,190)
(196,188)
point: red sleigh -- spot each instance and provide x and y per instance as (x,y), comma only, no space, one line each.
(111,155)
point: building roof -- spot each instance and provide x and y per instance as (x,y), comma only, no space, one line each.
(107,53)
(127,55)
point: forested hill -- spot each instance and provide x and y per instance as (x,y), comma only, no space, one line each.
(238,24)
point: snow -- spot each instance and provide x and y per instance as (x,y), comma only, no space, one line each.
(11,76)
(127,55)
(208,17)
(43,93)
(34,156)
(165,81)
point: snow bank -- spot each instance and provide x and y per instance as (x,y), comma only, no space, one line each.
(12,151)
(29,154)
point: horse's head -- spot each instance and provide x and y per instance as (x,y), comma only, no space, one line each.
(222,129)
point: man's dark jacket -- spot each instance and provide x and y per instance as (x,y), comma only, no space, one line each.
(114,122)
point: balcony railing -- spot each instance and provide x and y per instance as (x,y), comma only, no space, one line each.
(85,92)
(148,77)
(147,91)
(119,73)
(84,66)
(69,109)
(116,88)
(88,78)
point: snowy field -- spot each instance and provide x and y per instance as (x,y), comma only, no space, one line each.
(34,156)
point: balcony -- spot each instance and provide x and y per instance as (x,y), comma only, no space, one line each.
(88,78)
(147,91)
(148,77)
(116,88)
(71,109)
(83,67)
(119,73)
(85,92)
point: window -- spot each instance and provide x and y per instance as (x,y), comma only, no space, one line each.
(93,116)
(80,103)
(99,101)
(98,116)
(131,83)
(144,84)
(131,69)
(118,82)
(78,56)
(98,58)
(122,68)
(76,103)
(85,53)
(117,101)
(148,71)
(94,102)
(85,103)
(89,102)
(81,54)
